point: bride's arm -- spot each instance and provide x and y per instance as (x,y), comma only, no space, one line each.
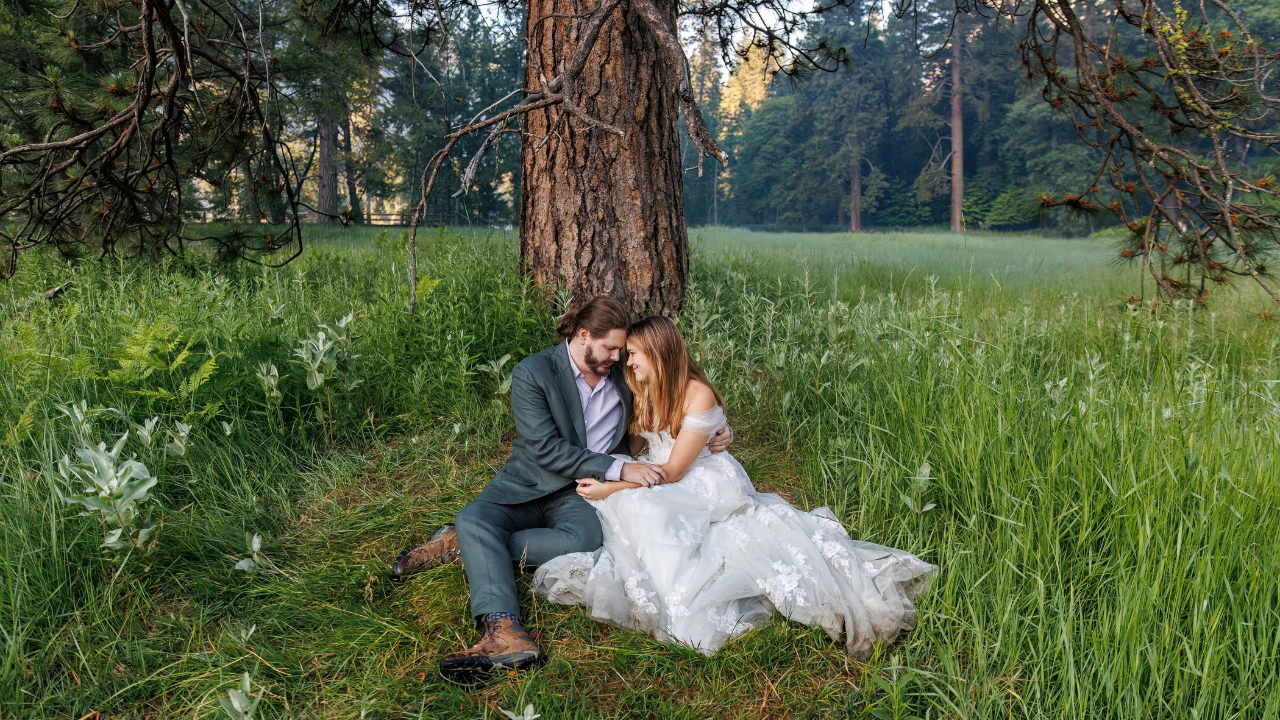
(688,446)
(689,443)
(593,489)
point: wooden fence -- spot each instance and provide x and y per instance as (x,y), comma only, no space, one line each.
(401,219)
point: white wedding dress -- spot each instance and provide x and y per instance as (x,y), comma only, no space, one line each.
(700,561)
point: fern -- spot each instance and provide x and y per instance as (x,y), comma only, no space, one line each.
(22,428)
(199,377)
(144,352)
(182,356)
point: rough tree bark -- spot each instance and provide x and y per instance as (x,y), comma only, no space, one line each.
(327,181)
(599,213)
(246,196)
(349,172)
(957,135)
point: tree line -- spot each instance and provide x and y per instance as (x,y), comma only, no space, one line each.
(126,124)
(870,146)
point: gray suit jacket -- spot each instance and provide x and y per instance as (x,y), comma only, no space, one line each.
(550,452)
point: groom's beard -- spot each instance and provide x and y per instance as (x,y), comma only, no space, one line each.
(599,366)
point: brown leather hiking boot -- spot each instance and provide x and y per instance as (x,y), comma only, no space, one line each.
(505,649)
(441,549)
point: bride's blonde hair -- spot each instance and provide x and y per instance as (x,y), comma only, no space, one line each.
(659,403)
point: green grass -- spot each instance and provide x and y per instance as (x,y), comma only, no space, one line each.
(1107,521)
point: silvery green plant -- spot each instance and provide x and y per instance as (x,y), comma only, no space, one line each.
(345,361)
(528,713)
(324,356)
(118,489)
(318,356)
(269,376)
(243,634)
(178,440)
(919,485)
(239,703)
(338,331)
(277,311)
(256,562)
(146,432)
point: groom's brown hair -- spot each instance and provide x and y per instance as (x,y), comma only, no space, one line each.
(600,315)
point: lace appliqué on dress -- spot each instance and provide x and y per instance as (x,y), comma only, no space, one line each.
(639,596)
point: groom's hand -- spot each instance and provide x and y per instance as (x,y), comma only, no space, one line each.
(720,441)
(643,474)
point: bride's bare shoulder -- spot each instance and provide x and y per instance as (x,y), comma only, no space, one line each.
(698,397)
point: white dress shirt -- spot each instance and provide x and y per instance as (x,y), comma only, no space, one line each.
(601,410)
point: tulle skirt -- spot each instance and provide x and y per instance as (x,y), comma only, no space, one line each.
(703,560)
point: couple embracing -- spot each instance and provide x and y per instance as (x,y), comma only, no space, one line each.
(620,492)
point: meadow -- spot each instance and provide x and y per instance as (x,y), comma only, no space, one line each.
(1096,481)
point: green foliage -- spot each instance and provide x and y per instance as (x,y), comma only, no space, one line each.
(116,489)
(240,704)
(445,86)
(977,205)
(1012,208)
(900,207)
(1104,504)
(1042,149)
(887,112)
(21,428)
(768,174)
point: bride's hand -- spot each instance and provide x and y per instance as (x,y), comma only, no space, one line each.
(593,489)
(720,441)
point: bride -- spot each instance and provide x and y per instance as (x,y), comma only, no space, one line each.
(702,558)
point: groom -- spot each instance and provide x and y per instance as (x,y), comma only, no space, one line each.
(571,407)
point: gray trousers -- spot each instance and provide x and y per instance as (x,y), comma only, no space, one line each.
(495,539)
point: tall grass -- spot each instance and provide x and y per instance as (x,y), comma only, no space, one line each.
(1105,508)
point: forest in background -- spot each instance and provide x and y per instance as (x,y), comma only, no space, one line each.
(795,144)
(798,145)
(365,122)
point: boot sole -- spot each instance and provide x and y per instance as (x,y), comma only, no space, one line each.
(473,672)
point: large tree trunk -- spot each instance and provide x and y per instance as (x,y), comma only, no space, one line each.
(247,195)
(602,214)
(855,205)
(327,184)
(715,196)
(348,162)
(957,136)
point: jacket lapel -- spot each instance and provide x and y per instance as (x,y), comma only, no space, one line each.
(569,389)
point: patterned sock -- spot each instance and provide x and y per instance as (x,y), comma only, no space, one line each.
(492,618)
